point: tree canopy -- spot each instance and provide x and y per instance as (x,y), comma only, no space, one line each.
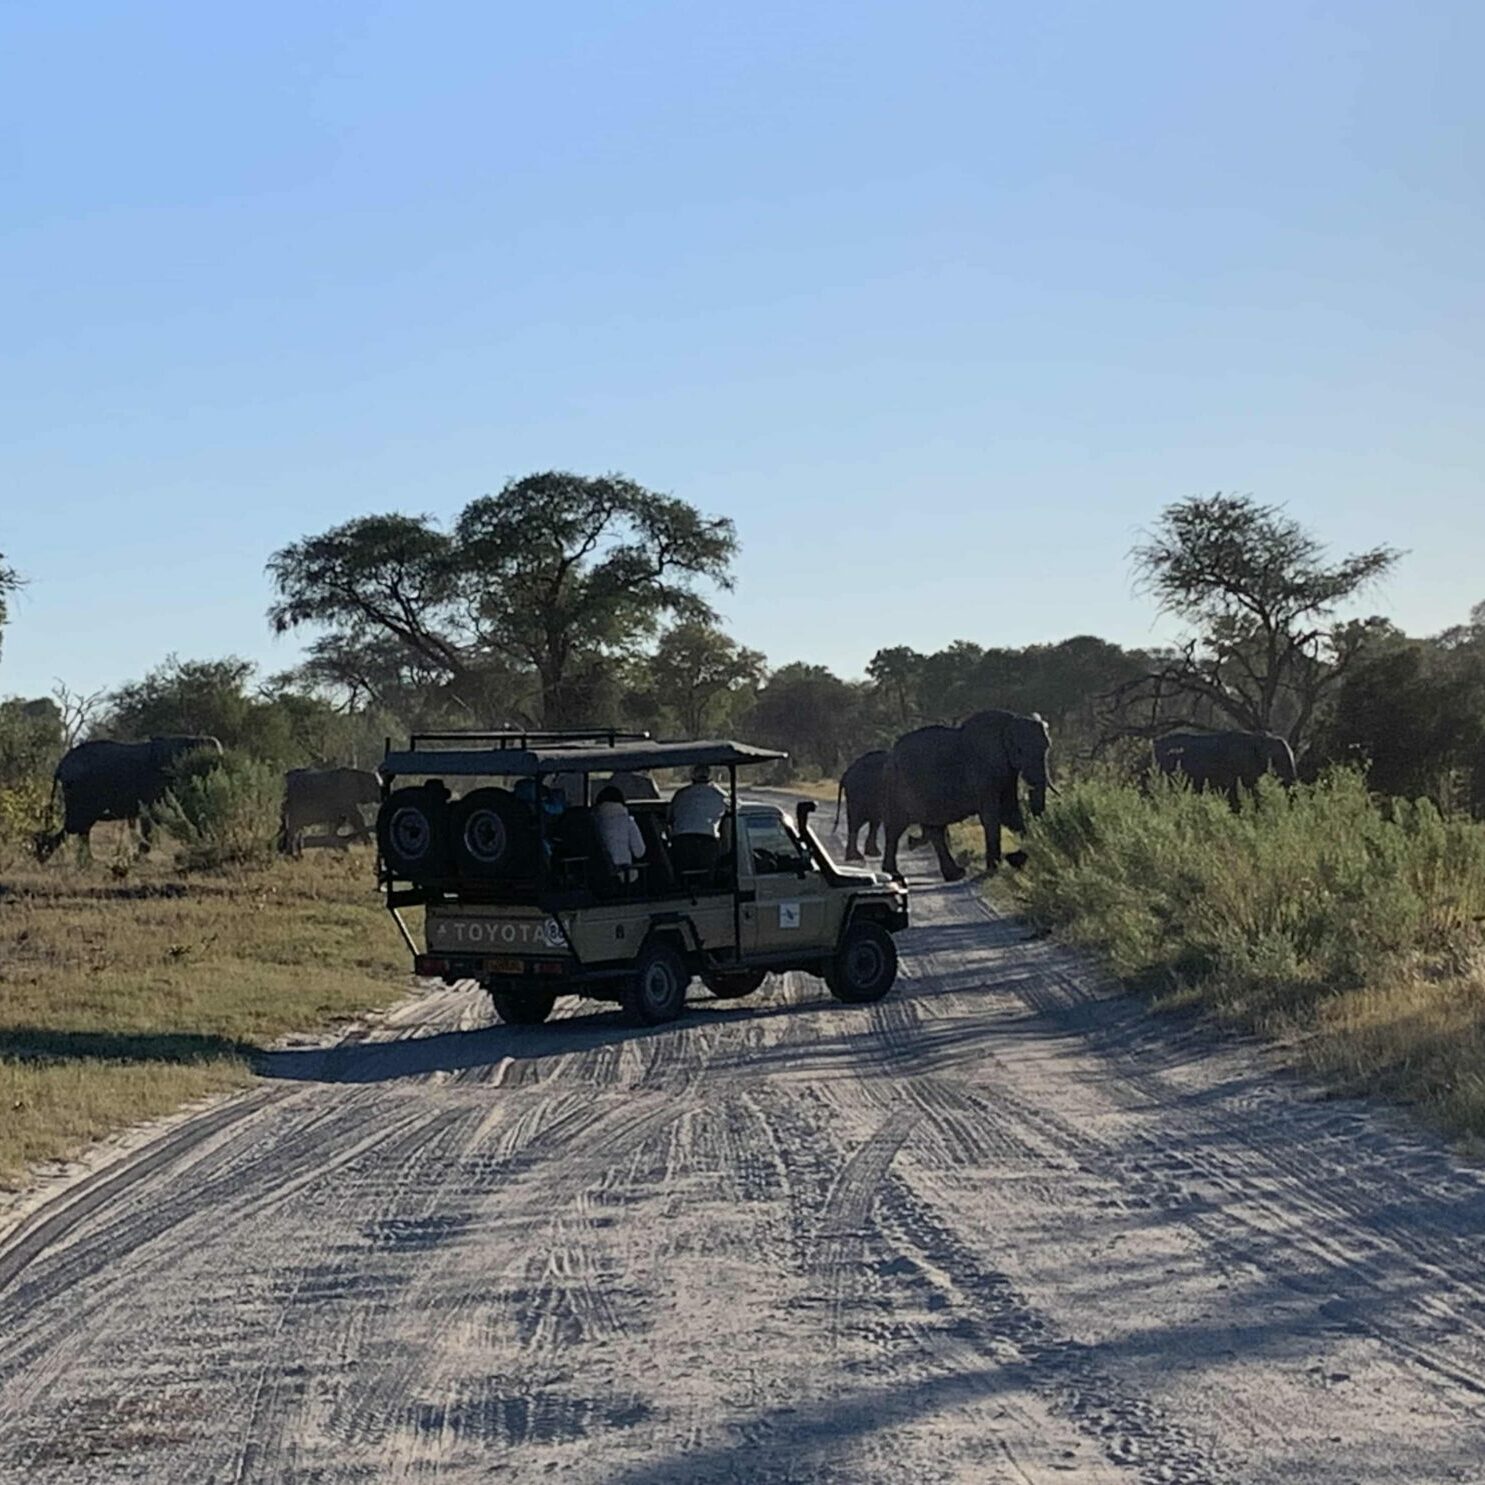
(221,698)
(1258,595)
(1412,712)
(532,595)
(697,671)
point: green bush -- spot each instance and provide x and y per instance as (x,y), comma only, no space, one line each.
(25,815)
(223,810)
(1298,896)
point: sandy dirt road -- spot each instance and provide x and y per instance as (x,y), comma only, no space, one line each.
(1001,1227)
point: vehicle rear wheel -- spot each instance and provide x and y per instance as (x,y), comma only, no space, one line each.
(523,1007)
(493,835)
(734,984)
(658,990)
(865,965)
(412,831)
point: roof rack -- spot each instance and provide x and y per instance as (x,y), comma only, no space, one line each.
(572,755)
(523,737)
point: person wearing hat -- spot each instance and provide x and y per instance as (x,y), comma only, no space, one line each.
(696,814)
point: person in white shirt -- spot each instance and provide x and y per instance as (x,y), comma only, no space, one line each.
(618,831)
(696,814)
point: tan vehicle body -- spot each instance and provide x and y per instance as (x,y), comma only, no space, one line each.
(778,919)
(519,890)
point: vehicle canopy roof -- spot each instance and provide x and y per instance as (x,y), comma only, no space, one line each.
(631,757)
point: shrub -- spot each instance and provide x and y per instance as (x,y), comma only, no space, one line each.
(25,815)
(1277,913)
(223,810)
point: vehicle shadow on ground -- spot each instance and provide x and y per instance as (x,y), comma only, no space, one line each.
(39,1043)
(484,1046)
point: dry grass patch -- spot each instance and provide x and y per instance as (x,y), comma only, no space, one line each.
(122,999)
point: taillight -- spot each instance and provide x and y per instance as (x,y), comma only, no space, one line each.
(429,966)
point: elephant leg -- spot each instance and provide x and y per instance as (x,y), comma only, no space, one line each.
(853,827)
(891,833)
(938,837)
(990,819)
(873,841)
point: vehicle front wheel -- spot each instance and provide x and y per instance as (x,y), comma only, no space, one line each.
(523,1007)
(865,965)
(735,984)
(658,990)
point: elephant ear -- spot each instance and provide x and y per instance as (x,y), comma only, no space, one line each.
(986,741)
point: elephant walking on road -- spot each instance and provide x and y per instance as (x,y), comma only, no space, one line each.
(1229,761)
(862,785)
(939,775)
(108,780)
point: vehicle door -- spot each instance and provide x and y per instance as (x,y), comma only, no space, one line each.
(788,906)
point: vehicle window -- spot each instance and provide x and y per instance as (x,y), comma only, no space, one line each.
(773,849)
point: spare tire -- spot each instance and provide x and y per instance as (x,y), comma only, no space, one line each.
(493,836)
(412,830)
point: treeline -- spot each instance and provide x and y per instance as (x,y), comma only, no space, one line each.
(567,600)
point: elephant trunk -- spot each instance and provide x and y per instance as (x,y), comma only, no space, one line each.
(1038,782)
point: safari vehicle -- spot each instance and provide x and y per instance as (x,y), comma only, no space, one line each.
(518,892)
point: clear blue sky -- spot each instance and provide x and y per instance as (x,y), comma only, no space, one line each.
(940,301)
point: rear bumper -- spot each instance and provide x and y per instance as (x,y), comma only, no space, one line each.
(451,967)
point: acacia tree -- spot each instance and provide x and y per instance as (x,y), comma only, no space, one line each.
(1259,595)
(695,668)
(557,578)
(362,669)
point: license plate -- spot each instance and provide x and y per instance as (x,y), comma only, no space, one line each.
(505,966)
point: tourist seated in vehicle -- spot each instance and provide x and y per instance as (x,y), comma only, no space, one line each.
(696,814)
(622,840)
(553,799)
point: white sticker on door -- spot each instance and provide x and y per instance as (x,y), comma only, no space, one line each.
(788,915)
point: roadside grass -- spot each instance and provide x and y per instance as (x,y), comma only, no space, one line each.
(1352,931)
(120,1000)
(823,790)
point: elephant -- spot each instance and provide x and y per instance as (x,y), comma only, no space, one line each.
(325,796)
(1229,761)
(938,775)
(106,780)
(861,786)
